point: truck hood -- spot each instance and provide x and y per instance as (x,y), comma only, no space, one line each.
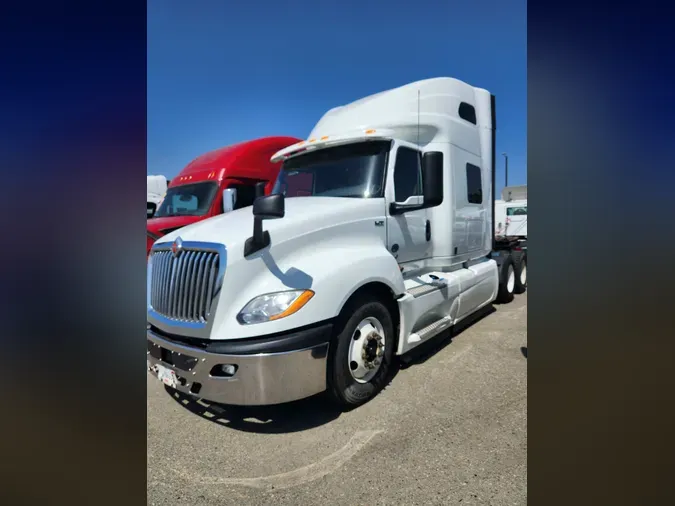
(312,247)
(304,215)
(156,225)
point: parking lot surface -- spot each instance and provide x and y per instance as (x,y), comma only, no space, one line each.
(451,428)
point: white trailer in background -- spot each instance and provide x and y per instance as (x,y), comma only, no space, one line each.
(378,236)
(157,186)
(514,192)
(510,222)
(511,218)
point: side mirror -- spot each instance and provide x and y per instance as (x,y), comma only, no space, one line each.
(264,208)
(151,210)
(269,207)
(432,178)
(260,189)
(229,199)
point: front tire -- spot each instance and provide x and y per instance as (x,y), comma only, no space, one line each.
(361,359)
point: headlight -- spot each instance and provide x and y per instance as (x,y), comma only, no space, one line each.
(273,306)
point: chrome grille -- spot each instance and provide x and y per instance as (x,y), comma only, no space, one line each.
(182,288)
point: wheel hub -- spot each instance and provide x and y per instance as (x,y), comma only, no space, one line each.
(373,347)
(366,350)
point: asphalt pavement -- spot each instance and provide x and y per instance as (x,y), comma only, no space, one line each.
(451,428)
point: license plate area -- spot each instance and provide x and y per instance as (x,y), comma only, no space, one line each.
(166,375)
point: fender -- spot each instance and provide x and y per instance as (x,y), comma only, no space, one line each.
(343,278)
(333,273)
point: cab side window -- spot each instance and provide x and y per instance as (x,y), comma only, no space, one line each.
(467,112)
(407,174)
(245,195)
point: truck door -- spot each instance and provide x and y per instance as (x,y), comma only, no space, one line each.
(408,235)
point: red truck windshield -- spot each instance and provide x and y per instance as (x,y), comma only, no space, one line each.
(188,200)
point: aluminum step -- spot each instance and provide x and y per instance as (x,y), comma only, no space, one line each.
(431,330)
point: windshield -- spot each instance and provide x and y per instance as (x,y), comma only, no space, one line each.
(355,170)
(516,211)
(187,200)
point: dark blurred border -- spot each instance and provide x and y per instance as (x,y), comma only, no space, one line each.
(73,152)
(601,328)
(73,265)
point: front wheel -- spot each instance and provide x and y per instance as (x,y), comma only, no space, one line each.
(360,360)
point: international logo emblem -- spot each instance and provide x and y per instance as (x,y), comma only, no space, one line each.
(177,247)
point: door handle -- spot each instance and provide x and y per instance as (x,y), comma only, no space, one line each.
(428,231)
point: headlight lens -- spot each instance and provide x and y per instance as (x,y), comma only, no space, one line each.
(273,306)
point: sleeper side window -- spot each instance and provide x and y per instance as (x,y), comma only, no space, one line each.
(474,185)
(467,112)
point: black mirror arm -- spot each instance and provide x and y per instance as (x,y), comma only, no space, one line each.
(396,209)
(259,240)
(264,208)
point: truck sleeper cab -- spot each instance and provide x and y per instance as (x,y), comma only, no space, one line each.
(373,241)
(197,192)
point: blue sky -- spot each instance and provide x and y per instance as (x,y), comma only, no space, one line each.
(221,72)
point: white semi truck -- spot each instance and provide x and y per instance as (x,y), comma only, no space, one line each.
(378,236)
(510,221)
(511,218)
(157,186)
(511,213)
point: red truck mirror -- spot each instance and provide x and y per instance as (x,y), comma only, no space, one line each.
(229,199)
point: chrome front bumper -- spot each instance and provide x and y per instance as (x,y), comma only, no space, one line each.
(260,378)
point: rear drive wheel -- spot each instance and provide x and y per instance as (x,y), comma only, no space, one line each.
(361,359)
(507,281)
(521,277)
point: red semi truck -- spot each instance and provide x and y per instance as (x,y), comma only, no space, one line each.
(197,193)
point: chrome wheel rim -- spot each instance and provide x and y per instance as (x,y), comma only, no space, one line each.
(366,350)
(510,280)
